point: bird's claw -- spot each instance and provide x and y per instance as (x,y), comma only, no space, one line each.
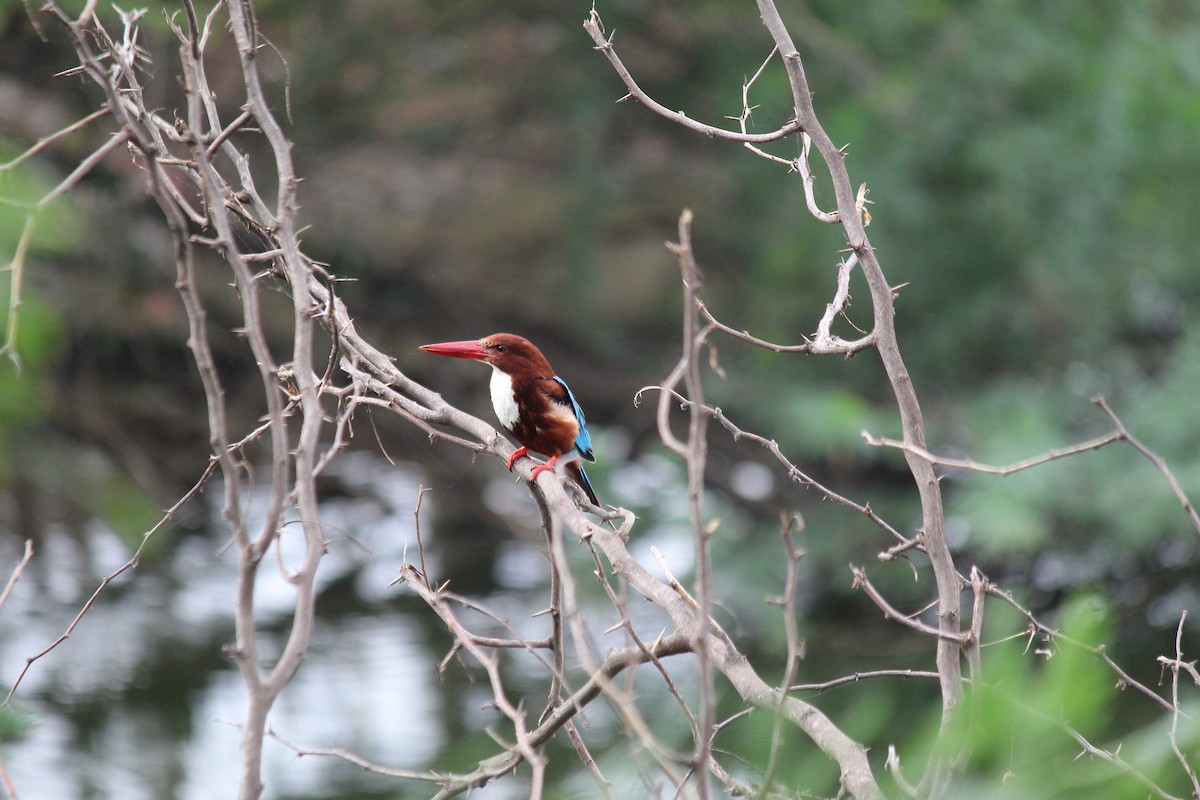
(540,468)
(520,451)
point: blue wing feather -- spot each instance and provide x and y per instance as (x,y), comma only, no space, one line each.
(587,487)
(583,442)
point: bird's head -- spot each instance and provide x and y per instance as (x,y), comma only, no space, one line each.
(506,352)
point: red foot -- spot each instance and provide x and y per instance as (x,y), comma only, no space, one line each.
(540,468)
(520,451)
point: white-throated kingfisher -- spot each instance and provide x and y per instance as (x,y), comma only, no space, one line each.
(531,401)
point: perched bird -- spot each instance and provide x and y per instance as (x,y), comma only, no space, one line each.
(531,402)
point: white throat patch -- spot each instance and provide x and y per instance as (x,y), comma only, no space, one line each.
(504,401)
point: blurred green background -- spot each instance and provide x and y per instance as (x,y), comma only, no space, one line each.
(1035,174)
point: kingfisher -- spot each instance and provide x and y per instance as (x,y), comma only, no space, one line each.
(532,403)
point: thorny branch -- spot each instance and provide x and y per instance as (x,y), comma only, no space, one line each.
(199,156)
(792,471)
(1114,756)
(595,29)
(695,453)
(1155,459)
(16,572)
(158,142)
(1175,665)
(952,643)
(1008,469)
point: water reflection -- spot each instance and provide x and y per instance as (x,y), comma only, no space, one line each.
(143,702)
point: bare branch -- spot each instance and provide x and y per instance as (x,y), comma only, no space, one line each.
(861,676)
(793,472)
(108,579)
(16,573)
(46,141)
(1009,469)
(356,760)
(1175,665)
(604,45)
(1155,459)
(1037,626)
(912,420)
(860,581)
(1111,756)
(696,458)
(789,525)
(10,791)
(828,345)
(806,175)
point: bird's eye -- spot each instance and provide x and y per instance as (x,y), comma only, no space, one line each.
(501,348)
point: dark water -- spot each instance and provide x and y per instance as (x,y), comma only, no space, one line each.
(142,702)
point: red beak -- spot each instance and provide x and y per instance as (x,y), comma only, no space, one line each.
(473,350)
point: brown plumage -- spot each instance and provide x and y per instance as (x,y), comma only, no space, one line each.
(531,401)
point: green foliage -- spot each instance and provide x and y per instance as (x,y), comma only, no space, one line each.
(29,451)
(13,724)
(57,227)
(1040,135)
(1113,493)
(825,418)
(41,342)
(51,230)
(25,389)
(1019,728)
(1035,177)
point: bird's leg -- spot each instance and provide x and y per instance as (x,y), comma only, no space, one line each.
(540,468)
(520,451)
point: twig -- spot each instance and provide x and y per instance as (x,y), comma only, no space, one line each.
(1111,756)
(860,676)
(1188,769)
(743,119)
(355,759)
(46,141)
(790,524)
(604,45)
(17,570)
(793,472)
(893,766)
(860,581)
(1008,469)
(524,746)
(421,491)
(1158,461)
(696,459)
(112,576)
(10,790)
(830,346)
(806,175)
(1036,625)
